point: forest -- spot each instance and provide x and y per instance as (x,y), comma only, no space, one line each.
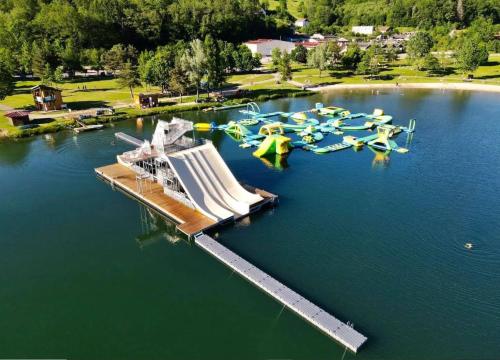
(424,14)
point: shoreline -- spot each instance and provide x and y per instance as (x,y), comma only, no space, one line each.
(432,86)
(178,108)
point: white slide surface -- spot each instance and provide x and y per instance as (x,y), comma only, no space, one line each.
(219,166)
(209,183)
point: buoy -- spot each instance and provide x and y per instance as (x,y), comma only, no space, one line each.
(468,246)
(203,126)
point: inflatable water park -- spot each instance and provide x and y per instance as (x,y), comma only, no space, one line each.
(278,133)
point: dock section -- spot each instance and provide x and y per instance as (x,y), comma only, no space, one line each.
(343,333)
(151,193)
(189,221)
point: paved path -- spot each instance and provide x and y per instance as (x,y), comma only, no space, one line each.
(5,108)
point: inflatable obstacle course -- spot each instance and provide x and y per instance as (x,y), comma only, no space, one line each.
(276,137)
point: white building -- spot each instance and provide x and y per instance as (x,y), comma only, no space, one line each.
(299,23)
(266,46)
(316,37)
(363,30)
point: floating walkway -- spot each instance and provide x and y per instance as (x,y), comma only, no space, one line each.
(129,139)
(333,327)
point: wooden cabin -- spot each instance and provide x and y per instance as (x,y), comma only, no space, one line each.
(47,98)
(147,100)
(18,118)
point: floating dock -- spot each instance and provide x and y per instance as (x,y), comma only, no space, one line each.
(189,221)
(151,193)
(339,331)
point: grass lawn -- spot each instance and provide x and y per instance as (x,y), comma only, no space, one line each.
(100,92)
(248,79)
(398,72)
(292,7)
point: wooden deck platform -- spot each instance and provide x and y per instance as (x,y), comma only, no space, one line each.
(189,221)
(336,329)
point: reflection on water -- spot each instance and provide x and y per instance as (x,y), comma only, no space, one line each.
(275,161)
(50,140)
(139,124)
(14,153)
(381,159)
(154,228)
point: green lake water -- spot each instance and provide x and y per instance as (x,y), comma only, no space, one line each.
(87,272)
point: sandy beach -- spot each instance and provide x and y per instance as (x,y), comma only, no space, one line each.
(436,86)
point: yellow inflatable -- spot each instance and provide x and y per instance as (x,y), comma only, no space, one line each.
(273,144)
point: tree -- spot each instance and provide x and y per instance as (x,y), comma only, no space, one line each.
(227,50)
(470,54)
(391,54)
(194,62)
(58,74)
(24,58)
(47,75)
(333,54)
(115,58)
(317,58)
(419,46)
(351,57)
(244,60)
(370,63)
(431,64)
(6,79)
(41,57)
(144,67)
(482,30)
(275,57)
(129,77)
(70,56)
(179,80)
(285,67)
(299,54)
(158,67)
(92,57)
(215,65)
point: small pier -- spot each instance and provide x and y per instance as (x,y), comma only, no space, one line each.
(339,331)
(84,127)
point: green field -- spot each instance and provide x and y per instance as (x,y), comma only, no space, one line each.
(292,7)
(100,92)
(399,72)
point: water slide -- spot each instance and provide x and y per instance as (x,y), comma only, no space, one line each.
(167,133)
(209,183)
(273,144)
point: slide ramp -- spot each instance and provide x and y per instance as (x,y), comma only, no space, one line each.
(213,160)
(191,183)
(209,183)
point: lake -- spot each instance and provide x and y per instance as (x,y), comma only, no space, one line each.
(374,239)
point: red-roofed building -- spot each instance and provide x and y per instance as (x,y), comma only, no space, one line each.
(309,44)
(18,118)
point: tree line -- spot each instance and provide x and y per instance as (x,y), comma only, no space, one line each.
(329,15)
